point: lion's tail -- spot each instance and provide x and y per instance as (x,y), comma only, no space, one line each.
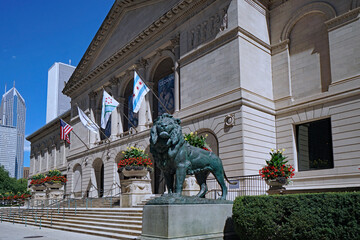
(232,183)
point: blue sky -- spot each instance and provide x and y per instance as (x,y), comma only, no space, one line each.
(34,35)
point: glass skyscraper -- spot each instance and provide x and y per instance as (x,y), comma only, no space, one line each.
(13,114)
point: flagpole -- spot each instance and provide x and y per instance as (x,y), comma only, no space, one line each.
(129,121)
(96,125)
(80,139)
(154,93)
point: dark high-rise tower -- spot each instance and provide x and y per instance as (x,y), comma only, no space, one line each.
(13,114)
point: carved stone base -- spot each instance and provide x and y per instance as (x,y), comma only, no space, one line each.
(38,198)
(190,187)
(189,221)
(134,191)
(39,195)
(56,194)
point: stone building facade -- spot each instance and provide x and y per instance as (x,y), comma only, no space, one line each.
(252,74)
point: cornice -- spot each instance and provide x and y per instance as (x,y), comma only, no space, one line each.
(77,80)
(343,19)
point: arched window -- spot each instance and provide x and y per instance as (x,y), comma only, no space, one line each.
(211,140)
(77,180)
(131,119)
(163,87)
(309,56)
(99,176)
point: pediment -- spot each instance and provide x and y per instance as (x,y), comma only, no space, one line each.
(128,23)
(132,21)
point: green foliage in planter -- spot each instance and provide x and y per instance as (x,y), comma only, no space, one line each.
(54,173)
(326,216)
(37,176)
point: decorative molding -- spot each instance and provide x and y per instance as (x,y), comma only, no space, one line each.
(343,19)
(77,79)
(229,120)
(316,7)
(280,47)
(258,6)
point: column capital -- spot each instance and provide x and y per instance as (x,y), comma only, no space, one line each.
(93,94)
(114,81)
(142,63)
(175,40)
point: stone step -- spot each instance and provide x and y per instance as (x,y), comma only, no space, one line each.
(121,223)
(126,223)
(129,235)
(113,229)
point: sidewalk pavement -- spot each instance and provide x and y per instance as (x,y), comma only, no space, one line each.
(9,231)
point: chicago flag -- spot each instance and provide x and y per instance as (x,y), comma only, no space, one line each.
(108,106)
(139,92)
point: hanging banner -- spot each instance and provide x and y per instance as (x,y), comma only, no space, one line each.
(166,94)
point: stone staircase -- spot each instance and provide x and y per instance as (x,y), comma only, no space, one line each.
(119,223)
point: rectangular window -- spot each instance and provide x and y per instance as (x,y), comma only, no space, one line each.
(314,145)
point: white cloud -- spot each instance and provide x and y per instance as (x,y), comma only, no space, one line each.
(27,147)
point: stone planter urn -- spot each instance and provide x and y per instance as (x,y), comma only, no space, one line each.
(54,185)
(276,185)
(136,188)
(38,187)
(135,172)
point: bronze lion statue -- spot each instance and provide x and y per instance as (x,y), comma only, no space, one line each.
(174,156)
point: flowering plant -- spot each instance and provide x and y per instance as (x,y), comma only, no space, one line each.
(58,179)
(197,141)
(135,158)
(13,196)
(51,176)
(55,176)
(37,179)
(277,168)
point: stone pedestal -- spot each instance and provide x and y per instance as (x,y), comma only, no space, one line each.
(38,197)
(134,191)
(55,191)
(188,221)
(190,187)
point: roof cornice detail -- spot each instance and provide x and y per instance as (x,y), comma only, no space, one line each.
(78,80)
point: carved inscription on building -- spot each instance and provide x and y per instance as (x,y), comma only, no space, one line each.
(207,30)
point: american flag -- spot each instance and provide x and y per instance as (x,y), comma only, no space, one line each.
(65,129)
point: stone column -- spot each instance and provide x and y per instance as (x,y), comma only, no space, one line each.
(176,45)
(63,155)
(148,100)
(92,98)
(114,114)
(120,112)
(142,64)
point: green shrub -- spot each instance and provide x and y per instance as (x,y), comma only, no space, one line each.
(327,216)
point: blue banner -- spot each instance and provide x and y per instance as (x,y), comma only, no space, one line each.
(166,94)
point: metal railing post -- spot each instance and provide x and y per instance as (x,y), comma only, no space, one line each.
(75,207)
(40,223)
(86,203)
(25,221)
